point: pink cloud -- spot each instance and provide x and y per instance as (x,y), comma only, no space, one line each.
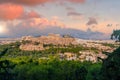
(31,14)
(10,11)
(26,2)
(42,23)
(37,2)
(13,11)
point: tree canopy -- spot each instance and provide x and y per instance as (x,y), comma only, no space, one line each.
(116,35)
(111,66)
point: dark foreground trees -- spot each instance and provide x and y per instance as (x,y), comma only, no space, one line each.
(111,66)
(6,70)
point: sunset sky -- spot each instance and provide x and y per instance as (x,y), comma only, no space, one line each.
(90,19)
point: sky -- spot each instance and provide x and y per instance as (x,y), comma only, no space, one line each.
(88,19)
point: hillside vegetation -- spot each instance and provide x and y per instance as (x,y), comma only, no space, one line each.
(30,68)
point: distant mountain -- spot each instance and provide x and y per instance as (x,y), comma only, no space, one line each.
(89,34)
(3,37)
(75,33)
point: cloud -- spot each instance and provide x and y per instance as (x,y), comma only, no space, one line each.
(109,25)
(43,26)
(26,2)
(13,11)
(35,22)
(29,15)
(10,11)
(70,9)
(102,26)
(20,30)
(76,1)
(37,2)
(74,15)
(92,21)
(32,26)
(42,23)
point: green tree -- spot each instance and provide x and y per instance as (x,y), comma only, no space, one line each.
(111,66)
(6,70)
(116,35)
(6,67)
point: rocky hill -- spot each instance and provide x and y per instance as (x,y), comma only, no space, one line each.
(40,43)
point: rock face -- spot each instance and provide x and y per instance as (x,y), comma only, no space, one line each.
(36,43)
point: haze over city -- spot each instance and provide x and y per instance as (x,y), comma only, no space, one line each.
(88,19)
